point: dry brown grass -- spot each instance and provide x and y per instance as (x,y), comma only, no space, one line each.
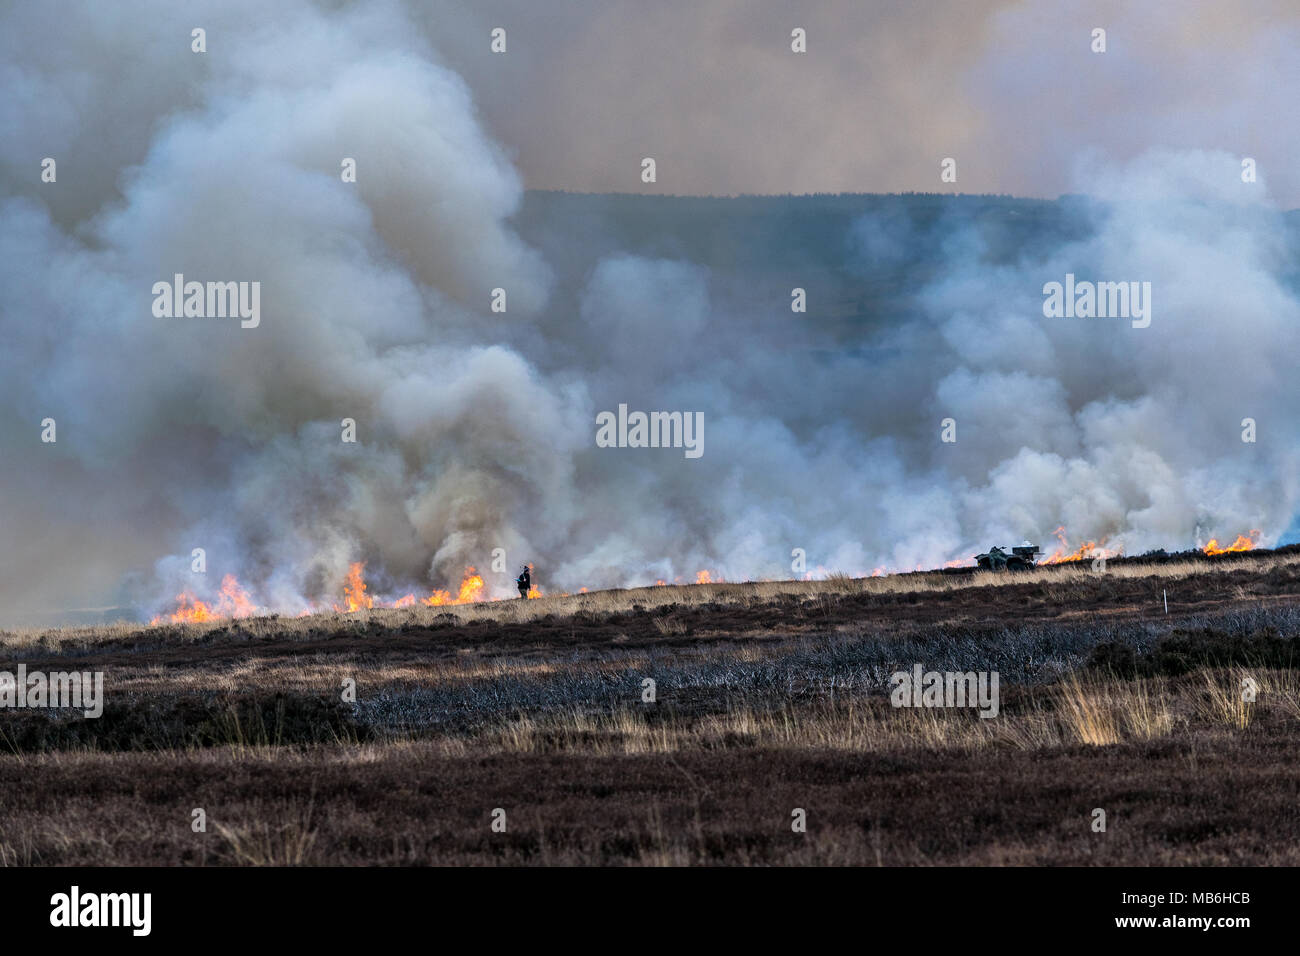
(1089,710)
(283,838)
(1101,713)
(1222,797)
(1225,700)
(670,625)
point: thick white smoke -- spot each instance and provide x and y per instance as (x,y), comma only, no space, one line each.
(1135,434)
(199,433)
(476,429)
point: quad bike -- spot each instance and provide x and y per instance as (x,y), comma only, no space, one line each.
(1017,559)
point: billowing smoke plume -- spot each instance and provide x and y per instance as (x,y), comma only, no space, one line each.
(475,429)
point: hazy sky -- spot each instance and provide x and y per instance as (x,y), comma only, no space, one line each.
(1011,90)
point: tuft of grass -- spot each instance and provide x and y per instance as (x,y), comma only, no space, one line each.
(18,852)
(839,582)
(1102,712)
(671,626)
(1086,713)
(1144,709)
(1225,701)
(287,841)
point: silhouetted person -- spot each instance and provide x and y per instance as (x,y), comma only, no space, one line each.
(524,582)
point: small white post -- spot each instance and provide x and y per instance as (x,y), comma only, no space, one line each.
(1166,594)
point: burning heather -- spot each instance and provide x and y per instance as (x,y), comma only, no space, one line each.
(1244,542)
(354,590)
(233,601)
(1087,551)
(471,590)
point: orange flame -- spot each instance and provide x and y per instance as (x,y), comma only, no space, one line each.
(1243,543)
(354,588)
(1084,552)
(471,590)
(1081,553)
(233,601)
(189,610)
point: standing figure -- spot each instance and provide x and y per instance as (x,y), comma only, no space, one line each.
(525,583)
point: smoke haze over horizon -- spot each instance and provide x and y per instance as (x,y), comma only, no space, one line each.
(476,428)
